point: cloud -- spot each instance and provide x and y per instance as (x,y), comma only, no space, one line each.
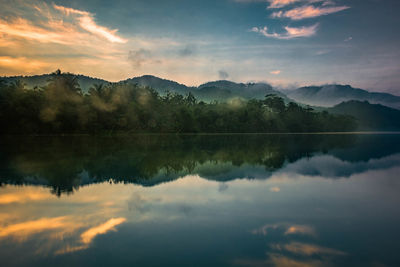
(222,187)
(87,237)
(309,11)
(289,229)
(308,249)
(281,3)
(300,229)
(21,64)
(223,74)
(91,233)
(58,32)
(275,72)
(187,51)
(138,57)
(23,197)
(290,32)
(23,230)
(54,28)
(86,21)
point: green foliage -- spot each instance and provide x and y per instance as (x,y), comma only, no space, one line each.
(60,107)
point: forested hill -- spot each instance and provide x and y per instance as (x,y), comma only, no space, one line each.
(218,90)
(324,96)
(61,107)
(369,116)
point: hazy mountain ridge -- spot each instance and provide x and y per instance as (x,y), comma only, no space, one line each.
(331,95)
(216,90)
(327,96)
(369,116)
(85,82)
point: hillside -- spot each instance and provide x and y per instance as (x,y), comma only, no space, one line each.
(330,95)
(370,116)
(85,82)
(218,90)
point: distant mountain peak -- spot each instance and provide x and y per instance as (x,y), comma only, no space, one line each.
(332,94)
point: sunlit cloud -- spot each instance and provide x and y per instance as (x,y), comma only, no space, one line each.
(22,28)
(281,3)
(291,32)
(23,64)
(309,11)
(275,72)
(86,21)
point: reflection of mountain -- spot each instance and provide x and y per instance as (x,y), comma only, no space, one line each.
(65,163)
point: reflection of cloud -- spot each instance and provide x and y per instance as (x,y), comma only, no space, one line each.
(24,229)
(284,261)
(222,187)
(275,189)
(275,259)
(300,229)
(90,234)
(23,197)
(288,229)
(328,166)
(307,249)
(263,230)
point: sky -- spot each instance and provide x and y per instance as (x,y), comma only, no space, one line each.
(286,43)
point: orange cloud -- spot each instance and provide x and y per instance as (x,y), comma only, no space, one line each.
(86,21)
(22,64)
(90,234)
(275,72)
(281,3)
(25,229)
(309,249)
(308,12)
(22,197)
(300,229)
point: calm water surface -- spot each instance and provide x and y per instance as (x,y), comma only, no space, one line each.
(236,200)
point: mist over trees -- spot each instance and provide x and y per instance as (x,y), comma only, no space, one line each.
(61,107)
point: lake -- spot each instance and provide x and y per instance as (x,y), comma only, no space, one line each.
(200,200)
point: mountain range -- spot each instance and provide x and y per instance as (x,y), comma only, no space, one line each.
(373,110)
(323,96)
(330,95)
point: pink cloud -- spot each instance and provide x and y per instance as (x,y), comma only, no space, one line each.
(308,12)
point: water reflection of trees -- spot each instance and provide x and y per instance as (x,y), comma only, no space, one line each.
(65,163)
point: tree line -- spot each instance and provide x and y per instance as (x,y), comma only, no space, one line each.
(61,107)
